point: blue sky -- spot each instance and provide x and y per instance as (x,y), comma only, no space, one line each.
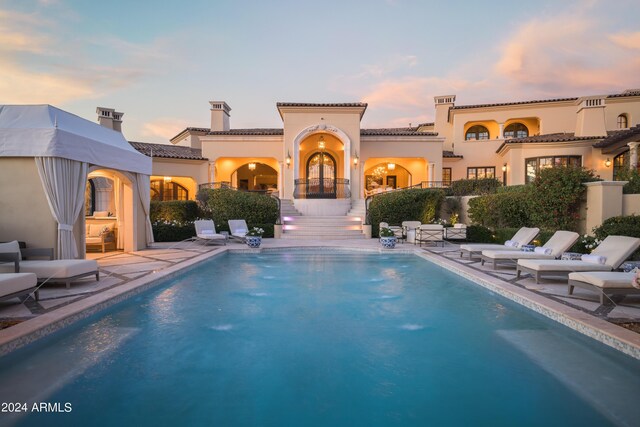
(161,62)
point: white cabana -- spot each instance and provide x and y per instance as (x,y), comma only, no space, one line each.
(65,147)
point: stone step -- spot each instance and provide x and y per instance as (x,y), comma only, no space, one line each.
(322,236)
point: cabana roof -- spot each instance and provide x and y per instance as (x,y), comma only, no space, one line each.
(47,131)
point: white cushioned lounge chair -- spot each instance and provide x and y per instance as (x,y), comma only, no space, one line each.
(560,242)
(613,251)
(521,238)
(457,232)
(206,232)
(604,283)
(238,229)
(410,230)
(48,269)
(430,233)
(14,285)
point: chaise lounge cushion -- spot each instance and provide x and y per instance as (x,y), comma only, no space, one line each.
(15,282)
(605,279)
(561,266)
(10,247)
(55,269)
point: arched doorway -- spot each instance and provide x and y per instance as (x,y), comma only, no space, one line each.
(255,176)
(386,176)
(321,176)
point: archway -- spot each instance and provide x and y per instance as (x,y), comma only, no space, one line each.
(386,176)
(321,176)
(255,176)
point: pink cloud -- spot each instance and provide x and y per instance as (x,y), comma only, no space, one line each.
(164,128)
(627,40)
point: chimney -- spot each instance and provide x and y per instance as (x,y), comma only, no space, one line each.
(441,122)
(219,116)
(590,120)
(110,118)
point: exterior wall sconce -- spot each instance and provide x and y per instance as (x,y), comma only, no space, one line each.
(504,167)
(607,163)
(391,166)
(167,179)
(252,166)
(355,159)
(288,159)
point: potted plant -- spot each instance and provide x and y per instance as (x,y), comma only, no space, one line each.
(387,238)
(253,237)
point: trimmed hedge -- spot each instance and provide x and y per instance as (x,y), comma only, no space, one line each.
(479,234)
(500,210)
(407,205)
(172,231)
(471,187)
(633,176)
(178,210)
(221,205)
(619,226)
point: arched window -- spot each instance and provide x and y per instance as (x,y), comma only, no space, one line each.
(620,164)
(516,130)
(164,191)
(623,121)
(477,132)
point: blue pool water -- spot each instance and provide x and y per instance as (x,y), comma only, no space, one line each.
(321,339)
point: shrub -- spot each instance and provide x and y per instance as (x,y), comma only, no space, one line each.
(500,210)
(469,187)
(221,205)
(172,231)
(619,226)
(556,195)
(178,210)
(479,234)
(633,176)
(407,205)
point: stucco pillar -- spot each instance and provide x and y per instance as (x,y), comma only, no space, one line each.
(633,154)
(501,131)
(604,200)
(211,174)
(432,174)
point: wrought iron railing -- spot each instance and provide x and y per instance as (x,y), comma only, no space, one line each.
(316,188)
(216,185)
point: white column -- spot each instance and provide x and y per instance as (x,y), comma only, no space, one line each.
(501,131)
(212,171)
(633,154)
(432,174)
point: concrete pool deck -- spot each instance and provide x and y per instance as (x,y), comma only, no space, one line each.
(126,274)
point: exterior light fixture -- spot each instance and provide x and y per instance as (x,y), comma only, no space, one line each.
(167,179)
(355,159)
(607,163)
(504,167)
(321,143)
(252,166)
(288,159)
(391,166)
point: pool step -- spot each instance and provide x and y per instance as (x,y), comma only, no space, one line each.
(322,227)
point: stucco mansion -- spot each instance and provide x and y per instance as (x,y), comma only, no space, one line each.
(322,152)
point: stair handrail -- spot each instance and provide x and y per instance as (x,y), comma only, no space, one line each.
(277,199)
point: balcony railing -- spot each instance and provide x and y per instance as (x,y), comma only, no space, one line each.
(316,188)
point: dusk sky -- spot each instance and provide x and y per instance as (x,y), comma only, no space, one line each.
(162,62)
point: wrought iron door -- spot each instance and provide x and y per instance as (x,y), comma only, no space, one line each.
(321,176)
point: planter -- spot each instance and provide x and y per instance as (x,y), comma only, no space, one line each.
(388,242)
(253,241)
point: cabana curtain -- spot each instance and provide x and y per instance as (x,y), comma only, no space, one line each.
(144,190)
(64,183)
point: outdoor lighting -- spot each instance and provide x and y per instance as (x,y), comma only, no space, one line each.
(321,143)
(252,166)
(288,159)
(504,167)
(355,159)
(167,179)
(607,163)
(391,166)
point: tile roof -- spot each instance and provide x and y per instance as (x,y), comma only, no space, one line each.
(408,131)
(551,137)
(330,104)
(629,92)
(168,151)
(500,104)
(450,154)
(620,137)
(249,132)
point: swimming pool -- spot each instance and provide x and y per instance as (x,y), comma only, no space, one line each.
(320,338)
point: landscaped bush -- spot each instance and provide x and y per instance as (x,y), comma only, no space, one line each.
(408,205)
(633,176)
(178,210)
(619,226)
(479,234)
(500,210)
(221,205)
(173,231)
(470,187)
(556,196)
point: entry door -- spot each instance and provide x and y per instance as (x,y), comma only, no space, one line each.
(321,176)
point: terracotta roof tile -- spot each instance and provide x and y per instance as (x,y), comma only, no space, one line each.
(451,155)
(249,132)
(500,104)
(622,136)
(168,151)
(329,104)
(551,137)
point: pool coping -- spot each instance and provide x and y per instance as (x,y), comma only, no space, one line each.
(617,337)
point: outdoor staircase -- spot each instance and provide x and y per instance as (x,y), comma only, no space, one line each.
(358,209)
(287,209)
(300,227)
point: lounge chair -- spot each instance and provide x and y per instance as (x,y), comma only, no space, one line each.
(604,283)
(560,242)
(430,233)
(457,232)
(521,238)
(238,229)
(16,260)
(612,252)
(14,285)
(409,230)
(206,232)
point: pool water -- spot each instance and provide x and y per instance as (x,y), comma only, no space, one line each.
(321,339)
